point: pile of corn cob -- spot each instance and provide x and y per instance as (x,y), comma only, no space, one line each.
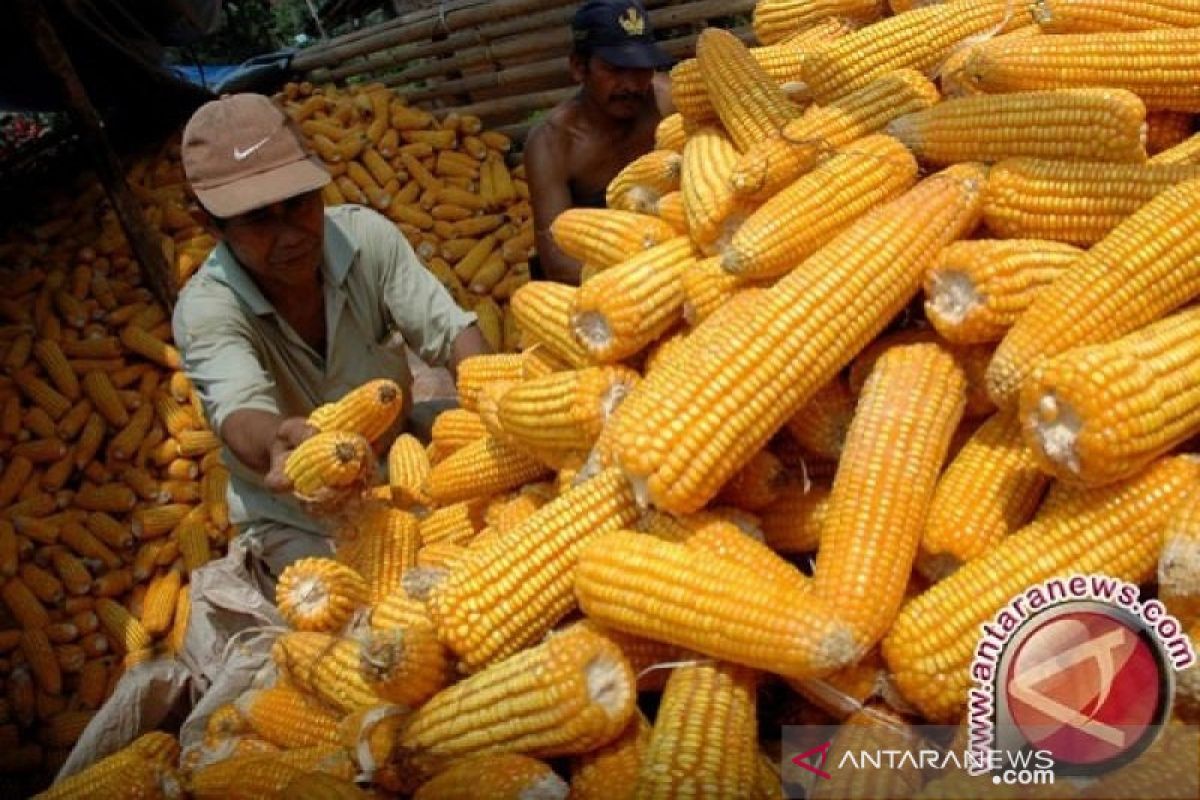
(744,380)
(111,488)
(445,183)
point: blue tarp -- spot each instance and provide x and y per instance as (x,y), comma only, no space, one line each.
(208,76)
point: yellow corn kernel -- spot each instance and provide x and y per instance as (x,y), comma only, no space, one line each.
(328,464)
(640,184)
(781,20)
(379,543)
(368,410)
(121,626)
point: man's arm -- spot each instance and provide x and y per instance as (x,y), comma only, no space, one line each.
(468,343)
(547,172)
(263,440)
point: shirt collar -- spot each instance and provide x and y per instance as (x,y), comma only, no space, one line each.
(339,253)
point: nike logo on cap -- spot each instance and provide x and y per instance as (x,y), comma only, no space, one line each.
(242,155)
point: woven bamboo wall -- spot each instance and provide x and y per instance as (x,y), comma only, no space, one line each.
(501,61)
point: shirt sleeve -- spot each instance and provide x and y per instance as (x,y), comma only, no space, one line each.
(420,307)
(220,360)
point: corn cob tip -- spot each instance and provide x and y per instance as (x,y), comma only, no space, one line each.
(1179,567)
(592,330)
(608,684)
(952,296)
(419,582)
(1052,427)
(937,566)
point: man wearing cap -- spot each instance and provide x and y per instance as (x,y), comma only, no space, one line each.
(296,306)
(584,142)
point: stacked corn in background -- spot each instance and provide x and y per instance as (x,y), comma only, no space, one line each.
(935,332)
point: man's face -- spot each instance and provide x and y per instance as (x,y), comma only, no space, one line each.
(281,242)
(620,91)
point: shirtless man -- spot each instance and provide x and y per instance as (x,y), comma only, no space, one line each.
(584,142)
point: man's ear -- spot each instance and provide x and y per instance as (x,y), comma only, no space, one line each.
(579,67)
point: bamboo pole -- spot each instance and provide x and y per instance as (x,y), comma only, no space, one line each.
(557,42)
(455,18)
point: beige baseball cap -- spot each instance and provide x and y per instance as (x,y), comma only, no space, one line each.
(239,154)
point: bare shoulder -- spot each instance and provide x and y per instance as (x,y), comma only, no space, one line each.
(553,133)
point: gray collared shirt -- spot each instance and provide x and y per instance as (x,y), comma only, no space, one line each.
(241,354)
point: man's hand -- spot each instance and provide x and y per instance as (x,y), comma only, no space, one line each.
(291,432)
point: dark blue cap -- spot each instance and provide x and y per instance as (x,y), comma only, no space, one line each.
(618,31)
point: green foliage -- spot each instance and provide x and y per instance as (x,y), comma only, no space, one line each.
(252,27)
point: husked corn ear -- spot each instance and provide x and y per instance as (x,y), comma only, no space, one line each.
(671,133)
(379,543)
(564,412)
(919,39)
(793,523)
(257,775)
(610,772)
(484,467)
(1074,202)
(121,626)
(705,737)
(398,610)
(1067,124)
(159,605)
(1086,425)
(543,311)
(670,211)
(622,310)
(1155,65)
(1098,16)
(821,425)
(781,20)
(653,588)
(643,181)
(319,594)
(1118,286)
(978,289)
(866,729)
(1179,563)
(681,434)
(575,692)
(405,665)
(325,666)
(1116,530)
(368,410)
(509,591)
(125,773)
(748,101)
(1186,152)
(757,484)
(795,223)
(322,786)
(39,654)
(709,159)
(408,468)
(707,287)
(478,371)
(605,237)
(990,489)
(505,776)
(328,462)
(911,404)
(457,523)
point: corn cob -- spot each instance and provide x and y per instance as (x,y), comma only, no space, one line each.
(161,598)
(990,489)
(43,394)
(405,665)
(1086,425)
(455,428)
(868,729)
(24,606)
(323,786)
(480,469)
(705,737)
(793,523)
(627,307)
(757,484)
(478,371)
(154,521)
(508,592)
(327,464)
(543,312)
(193,444)
(610,772)
(179,623)
(606,237)
(1153,64)
(325,666)
(121,626)
(1094,301)
(456,523)
(368,410)
(1098,16)
(978,289)
(781,20)
(651,588)
(671,133)
(139,340)
(643,181)
(1069,124)
(707,287)
(1116,529)
(1077,203)
(797,221)
(709,159)
(564,412)
(575,690)
(1178,563)
(319,594)
(288,717)
(821,425)
(667,429)
(408,468)
(93,680)
(54,362)
(379,544)
(749,103)
(100,390)
(245,777)
(506,776)
(123,774)
(39,654)
(1186,152)
(918,39)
